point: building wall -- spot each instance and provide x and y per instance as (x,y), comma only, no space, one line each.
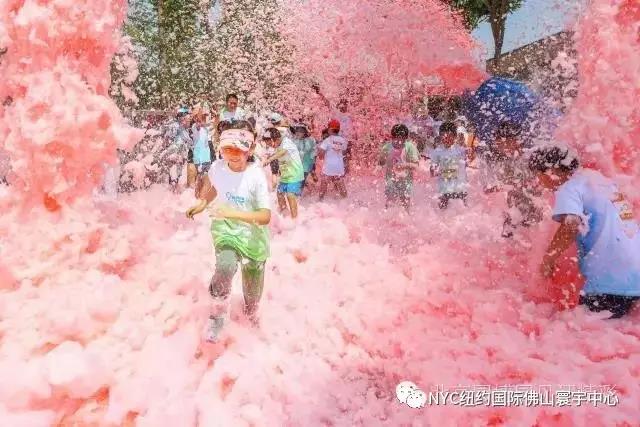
(548,66)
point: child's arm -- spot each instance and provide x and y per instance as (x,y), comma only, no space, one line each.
(412,161)
(278,154)
(410,165)
(564,237)
(205,193)
(324,99)
(258,217)
(322,150)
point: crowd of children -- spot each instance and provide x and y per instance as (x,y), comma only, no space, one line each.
(238,184)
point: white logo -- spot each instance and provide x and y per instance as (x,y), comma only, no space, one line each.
(407,392)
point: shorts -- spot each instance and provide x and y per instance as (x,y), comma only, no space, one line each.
(444,199)
(290,187)
(190,156)
(398,189)
(275,167)
(203,168)
(618,305)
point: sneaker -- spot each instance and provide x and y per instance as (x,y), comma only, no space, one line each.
(254,320)
(214,326)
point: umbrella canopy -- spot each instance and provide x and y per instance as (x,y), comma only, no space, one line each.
(499,99)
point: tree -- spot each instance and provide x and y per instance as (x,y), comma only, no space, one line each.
(186,55)
(495,12)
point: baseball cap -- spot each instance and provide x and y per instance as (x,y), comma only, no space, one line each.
(334,124)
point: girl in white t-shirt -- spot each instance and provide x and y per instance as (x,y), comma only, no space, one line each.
(240,217)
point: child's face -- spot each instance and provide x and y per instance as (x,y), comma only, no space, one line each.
(232,104)
(299,134)
(269,142)
(551,179)
(236,159)
(448,139)
(508,145)
(200,119)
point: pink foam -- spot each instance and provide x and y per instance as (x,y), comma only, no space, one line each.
(57,71)
(604,122)
(103,302)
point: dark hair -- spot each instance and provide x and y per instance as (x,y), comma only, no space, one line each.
(325,133)
(299,126)
(553,157)
(274,133)
(508,129)
(448,127)
(232,95)
(236,124)
(400,131)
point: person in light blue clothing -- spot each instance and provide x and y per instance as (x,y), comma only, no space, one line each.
(179,141)
(597,216)
(306,147)
(449,163)
(201,144)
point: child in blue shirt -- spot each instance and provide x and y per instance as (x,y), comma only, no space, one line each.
(593,213)
(449,163)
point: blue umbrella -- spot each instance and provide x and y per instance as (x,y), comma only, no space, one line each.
(498,100)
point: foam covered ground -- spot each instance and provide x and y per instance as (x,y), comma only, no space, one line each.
(102,310)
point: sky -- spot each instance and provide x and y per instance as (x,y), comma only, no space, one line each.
(536,19)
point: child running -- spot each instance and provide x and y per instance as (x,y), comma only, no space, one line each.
(400,157)
(332,150)
(307,149)
(239,225)
(507,163)
(291,170)
(449,164)
(175,157)
(591,211)
(202,155)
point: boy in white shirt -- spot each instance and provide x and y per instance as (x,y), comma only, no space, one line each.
(448,162)
(332,150)
(593,213)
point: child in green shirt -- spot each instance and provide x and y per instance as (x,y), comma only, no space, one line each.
(400,158)
(239,226)
(291,170)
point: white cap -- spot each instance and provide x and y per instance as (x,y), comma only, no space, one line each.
(275,118)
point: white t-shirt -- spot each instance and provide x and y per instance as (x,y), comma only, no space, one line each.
(451,166)
(609,244)
(334,147)
(238,114)
(246,191)
(291,169)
